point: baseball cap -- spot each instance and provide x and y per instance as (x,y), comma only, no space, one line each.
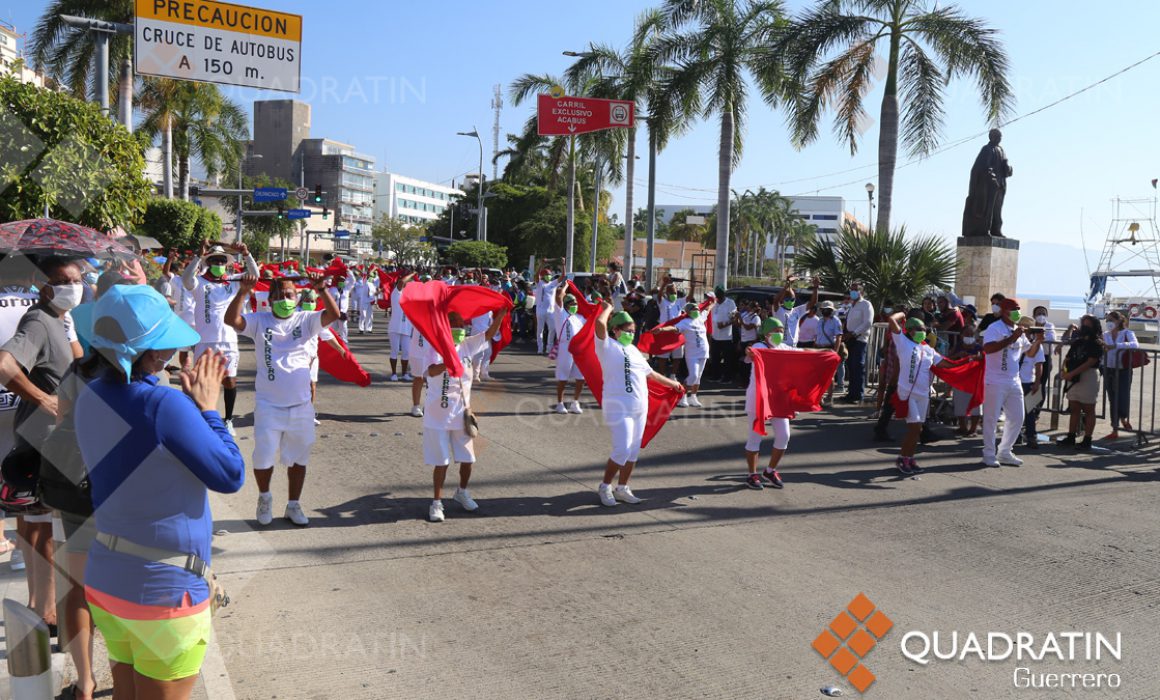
(145,319)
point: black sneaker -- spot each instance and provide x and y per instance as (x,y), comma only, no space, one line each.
(1067,441)
(1033,443)
(753,481)
(914,468)
(903,466)
(773,478)
(1086,444)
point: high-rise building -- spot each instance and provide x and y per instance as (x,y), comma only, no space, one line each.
(348,179)
(280,127)
(412,200)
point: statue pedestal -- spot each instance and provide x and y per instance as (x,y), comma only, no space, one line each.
(986,265)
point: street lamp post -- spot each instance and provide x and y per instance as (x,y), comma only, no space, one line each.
(595,214)
(870,194)
(479,200)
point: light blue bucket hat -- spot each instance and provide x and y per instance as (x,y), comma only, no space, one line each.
(146,320)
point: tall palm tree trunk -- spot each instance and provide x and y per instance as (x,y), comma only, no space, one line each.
(724,170)
(125,95)
(888,138)
(167,158)
(629,173)
(183,176)
(650,245)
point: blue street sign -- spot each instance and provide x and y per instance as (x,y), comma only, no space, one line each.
(298,214)
(269,194)
(342,233)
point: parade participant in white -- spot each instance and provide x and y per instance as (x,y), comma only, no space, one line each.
(341,294)
(309,303)
(364,294)
(211,294)
(544,291)
(671,305)
(400,329)
(448,399)
(482,360)
(696,352)
(915,361)
(771,336)
(420,353)
(569,324)
(283,414)
(625,403)
(1003,344)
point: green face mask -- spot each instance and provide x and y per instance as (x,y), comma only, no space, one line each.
(458,334)
(217,270)
(625,338)
(573,309)
(694,314)
(283,308)
(918,336)
(672,297)
(776,338)
(309,306)
(1015,316)
(787,304)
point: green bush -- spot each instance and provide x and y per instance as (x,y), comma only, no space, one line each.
(176,223)
(477,254)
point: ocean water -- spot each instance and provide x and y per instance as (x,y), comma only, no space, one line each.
(1075,306)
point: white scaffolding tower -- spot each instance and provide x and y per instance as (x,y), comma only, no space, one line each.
(1131,253)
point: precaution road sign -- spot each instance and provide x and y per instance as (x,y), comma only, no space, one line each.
(565,116)
(217,42)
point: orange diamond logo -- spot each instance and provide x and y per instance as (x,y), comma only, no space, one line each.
(851,636)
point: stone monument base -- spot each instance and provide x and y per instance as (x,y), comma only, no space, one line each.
(986,265)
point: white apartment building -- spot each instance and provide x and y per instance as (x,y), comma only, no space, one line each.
(12,61)
(412,200)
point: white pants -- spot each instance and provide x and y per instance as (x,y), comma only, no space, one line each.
(400,346)
(366,318)
(780,428)
(1007,398)
(696,367)
(627,431)
(542,322)
(285,431)
(566,369)
(340,329)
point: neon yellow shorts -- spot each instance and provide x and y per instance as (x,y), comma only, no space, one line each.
(164,650)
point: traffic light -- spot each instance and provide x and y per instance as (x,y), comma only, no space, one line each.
(281,213)
(195,192)
(325,213)
(318,194)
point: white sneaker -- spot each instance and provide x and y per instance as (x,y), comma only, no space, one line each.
(317,422)
(1010,460)
(265,508)
(624,493)
(990,462)
(230,428)
(394,378)
(575,408)
(417,411)
(295,515)
(435,512)
(487,377)
(684,402)
(407,377)
(606,497)
(560,408)
(695,402)
(463,498)
(17,561)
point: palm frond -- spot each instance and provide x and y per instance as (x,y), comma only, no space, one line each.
(921,85)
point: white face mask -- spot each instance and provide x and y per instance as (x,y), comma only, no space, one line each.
(66,297)
(969,340)
(995,309)
(1041,319)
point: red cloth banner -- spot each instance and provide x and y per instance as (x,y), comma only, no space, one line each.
(789,382)
(428,304)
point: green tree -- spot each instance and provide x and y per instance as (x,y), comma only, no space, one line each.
(890,266)
(259,231)
(62,153)
(209,126)
(400,242)
(477,254)
(175,224)
(680,230)
(723,42)
(831,52)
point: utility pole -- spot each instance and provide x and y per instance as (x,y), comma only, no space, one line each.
(103,31)
(497,105)
(595,214)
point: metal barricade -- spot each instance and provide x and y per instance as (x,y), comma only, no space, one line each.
(29,658)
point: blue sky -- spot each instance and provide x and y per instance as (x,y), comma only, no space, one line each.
(399,79)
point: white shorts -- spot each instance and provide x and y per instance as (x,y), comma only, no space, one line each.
(696,367)
(780,428)
(567,371)
(441,446)
(918,406)
(230,352)
(314,370)
(627,432)
(400,346)
(288,432)
(675,354)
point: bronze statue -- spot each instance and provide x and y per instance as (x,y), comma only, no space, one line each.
(983,215)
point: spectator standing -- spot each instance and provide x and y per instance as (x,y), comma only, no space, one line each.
(1119,341)
(859,321)
(722,351)
(1081,376)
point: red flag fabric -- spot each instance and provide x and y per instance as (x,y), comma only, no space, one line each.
(344,368)
(789,381)
(427,305)
(584,307)
(965,374)
(661,399)
(505,337)
(652,343)
(387,282)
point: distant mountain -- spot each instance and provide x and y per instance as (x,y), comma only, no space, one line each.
(1053,269)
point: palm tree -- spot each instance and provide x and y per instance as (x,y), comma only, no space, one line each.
(67,54)
(925,49)
(158,101)
(889,266)
(723,42)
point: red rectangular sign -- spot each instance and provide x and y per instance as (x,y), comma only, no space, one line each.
(567,116)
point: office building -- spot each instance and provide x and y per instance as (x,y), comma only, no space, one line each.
(280,127)
(12,61)
(414,201)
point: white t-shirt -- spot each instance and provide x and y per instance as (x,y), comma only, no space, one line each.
(1003,366)
(284,349)
(828,331)
(183,301)
(696,338)
(210,300)
(671,309)
(748,335)
(1027,366)
(791,319)
(626,375)
(545,295)
(420,354)
(723,312)
(567,326)
(914,363)
(399,323)
(808,330)
(480,324)
(446,395)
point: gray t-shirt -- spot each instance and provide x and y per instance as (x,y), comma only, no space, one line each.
(40,345)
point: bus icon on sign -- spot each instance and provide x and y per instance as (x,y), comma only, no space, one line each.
(619,114)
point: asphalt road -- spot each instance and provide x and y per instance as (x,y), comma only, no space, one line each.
(706,590)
